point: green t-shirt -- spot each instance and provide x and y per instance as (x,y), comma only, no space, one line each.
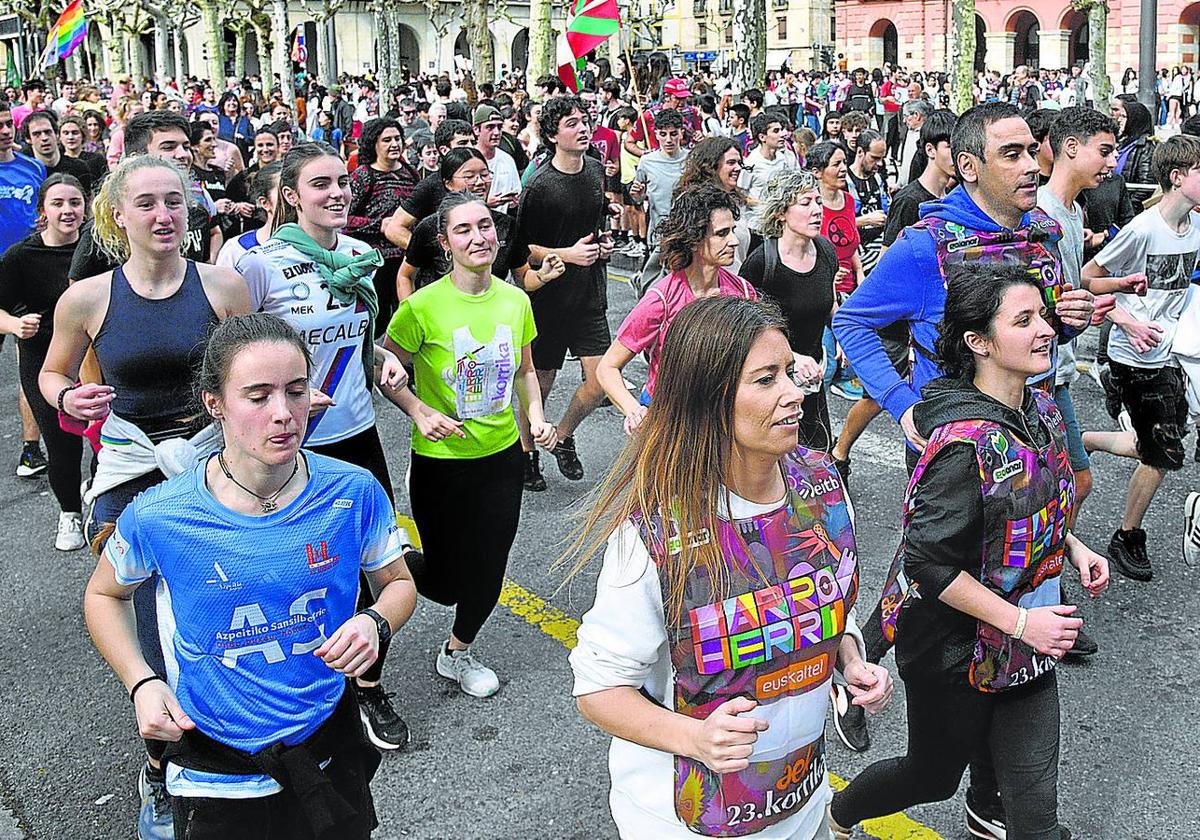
(466,355)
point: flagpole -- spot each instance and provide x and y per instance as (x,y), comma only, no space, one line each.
(633,83)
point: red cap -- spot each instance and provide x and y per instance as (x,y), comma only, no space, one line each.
(677,88)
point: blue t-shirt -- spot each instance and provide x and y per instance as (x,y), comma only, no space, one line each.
(20,180)
(244,600)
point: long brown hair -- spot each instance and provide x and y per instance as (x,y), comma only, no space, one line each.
(674,465)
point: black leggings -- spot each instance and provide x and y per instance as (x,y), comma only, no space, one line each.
(947,724)
(385,290)
(467,511)
(364,450)
(63,449)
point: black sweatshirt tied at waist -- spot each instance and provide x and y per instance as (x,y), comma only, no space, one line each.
(296,768)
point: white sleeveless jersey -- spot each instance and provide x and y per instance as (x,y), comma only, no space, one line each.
(284,282)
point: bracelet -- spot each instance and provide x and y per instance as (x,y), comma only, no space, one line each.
(62,394)
(1022,617)
(141,683)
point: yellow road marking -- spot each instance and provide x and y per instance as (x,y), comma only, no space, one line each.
(562,628)
(619,278)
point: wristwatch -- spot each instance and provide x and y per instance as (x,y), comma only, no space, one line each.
(381,623)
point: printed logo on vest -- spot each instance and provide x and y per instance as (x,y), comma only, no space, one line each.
(1008,466)
(758,626)
(318,557)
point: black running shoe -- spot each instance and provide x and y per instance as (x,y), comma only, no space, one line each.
(1112,395)
(33,463)
(843,469)
(568,459)
(1084,646)
(534,481)
(849,721)
(385,729)
(985,816)
(1127,551)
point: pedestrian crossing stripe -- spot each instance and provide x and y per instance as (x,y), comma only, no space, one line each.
(561,627)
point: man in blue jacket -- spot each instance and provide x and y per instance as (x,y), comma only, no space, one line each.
(990,215)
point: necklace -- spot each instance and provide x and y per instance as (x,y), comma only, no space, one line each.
(267,503)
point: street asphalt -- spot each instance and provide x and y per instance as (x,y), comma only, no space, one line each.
(523,764)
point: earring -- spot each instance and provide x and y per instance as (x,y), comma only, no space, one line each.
(447,255)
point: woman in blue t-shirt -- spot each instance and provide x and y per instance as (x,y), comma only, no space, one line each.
(260,547)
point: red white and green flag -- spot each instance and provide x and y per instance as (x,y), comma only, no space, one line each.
(589,24)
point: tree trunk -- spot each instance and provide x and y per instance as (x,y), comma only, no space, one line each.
(114,49)
(1098,54)
(324,71)
(962,54)
(281,53)
(750,32)
(542,46)
(262,43)
(393,46)
(384,61)
(180,66)
(214,37)
(483,61)
(239,51)
(133,46)
(162,69)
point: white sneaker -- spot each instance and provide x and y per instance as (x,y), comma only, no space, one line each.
(70,532)
(1191,529)
(472,676)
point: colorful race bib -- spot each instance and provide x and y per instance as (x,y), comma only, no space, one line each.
(482,377)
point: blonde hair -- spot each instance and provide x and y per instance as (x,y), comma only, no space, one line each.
(106,233)
(781,193)
(677,478)
(123,106)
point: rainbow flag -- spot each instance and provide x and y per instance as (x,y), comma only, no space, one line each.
(67,33)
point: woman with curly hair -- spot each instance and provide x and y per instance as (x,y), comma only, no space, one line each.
(796,267)
(382,180)
(718,160)
(697,249)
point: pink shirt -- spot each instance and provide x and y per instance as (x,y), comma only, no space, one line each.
(646,326)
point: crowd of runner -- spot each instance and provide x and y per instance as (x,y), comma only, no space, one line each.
(213,293)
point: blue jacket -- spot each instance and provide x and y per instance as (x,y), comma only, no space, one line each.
(906,285)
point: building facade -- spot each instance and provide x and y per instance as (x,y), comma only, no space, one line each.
(1038,33)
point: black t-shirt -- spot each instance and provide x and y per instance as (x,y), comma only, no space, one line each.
(426,255)
(558,209)
(905,210)
(859,98)
(806,298)
(1105,207)
(425,198)
(77,168)
(97,164)
(869,192)
(33,276)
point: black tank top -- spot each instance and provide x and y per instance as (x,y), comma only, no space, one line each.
(150,350)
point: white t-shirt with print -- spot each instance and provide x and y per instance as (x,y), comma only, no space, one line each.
(286,283)
(1168,258)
